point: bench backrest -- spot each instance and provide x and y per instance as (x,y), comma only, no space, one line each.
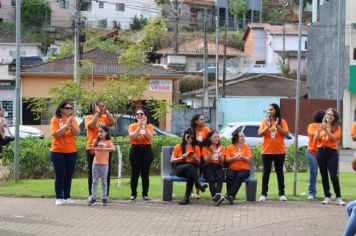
(166,165)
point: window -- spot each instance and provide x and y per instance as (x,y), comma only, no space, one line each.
(13,3)
(9,115)
(120,7)
(354,56)
(85,6)
(251,131)
(63,4)
(101,4)
(306,45)
(199,66)
(12,54)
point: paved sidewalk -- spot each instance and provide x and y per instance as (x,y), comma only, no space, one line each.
(25,216)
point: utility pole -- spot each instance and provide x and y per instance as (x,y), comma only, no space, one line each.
(205,73)
(77,33)
(284,44)
(217,54)
(225,46)
(176,12)
(252,11)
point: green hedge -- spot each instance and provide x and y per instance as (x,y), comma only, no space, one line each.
(35,161)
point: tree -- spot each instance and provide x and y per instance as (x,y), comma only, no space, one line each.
(238,7)
(138,23)
(66,49)
(33,12)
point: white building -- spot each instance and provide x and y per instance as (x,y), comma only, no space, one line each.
(103,14)
(268,43)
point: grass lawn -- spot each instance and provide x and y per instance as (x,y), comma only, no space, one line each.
(44,188)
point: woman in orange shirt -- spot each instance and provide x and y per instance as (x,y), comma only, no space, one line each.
(197,123)
(238,157)
(273,129)
(214,157)
(64,128)
(327,137)
(311,152)
(185,159)
(141,154)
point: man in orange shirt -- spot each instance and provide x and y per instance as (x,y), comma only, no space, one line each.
(100,116)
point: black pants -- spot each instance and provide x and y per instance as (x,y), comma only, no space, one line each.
(278,160)
(328,160)
(90,160)
(234,180)
(3,142)
(189,171)
(141,157)
(215,175)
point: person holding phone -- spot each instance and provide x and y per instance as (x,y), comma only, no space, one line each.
(100,115)
(327,138)
(273,129)
(64,128)
(141,154)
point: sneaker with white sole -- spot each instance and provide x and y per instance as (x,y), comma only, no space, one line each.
(193,195)
(311,197)
(263,198)
(326,201)
(340,202)
(133,199)
(92,202)
(68,201)
(283,198)
(59,202)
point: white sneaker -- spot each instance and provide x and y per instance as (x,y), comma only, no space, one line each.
(68,201)
(193,195)
(283,198)
(311,197)
(262,198)
(326,201)
(340,202)
(59,202)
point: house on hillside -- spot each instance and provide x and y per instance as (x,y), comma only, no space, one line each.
(161,83)
(269,44)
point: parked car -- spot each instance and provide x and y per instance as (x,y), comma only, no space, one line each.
(251,132)
(27,131)
(122,127)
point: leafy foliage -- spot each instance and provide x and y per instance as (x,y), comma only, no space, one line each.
(7,27)
(238,7)
(66,49)
(138,23)
(33,12)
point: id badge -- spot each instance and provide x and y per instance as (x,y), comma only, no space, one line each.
(200,138)
(61,125)
(142,131)
(273,134)
(216,157)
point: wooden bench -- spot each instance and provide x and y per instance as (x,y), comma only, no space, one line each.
(168,178)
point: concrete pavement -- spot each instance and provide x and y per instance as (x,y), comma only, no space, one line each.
(31,216)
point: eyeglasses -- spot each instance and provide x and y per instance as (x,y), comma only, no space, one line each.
(140,113)
(189,137)
(330,114)
(68,108)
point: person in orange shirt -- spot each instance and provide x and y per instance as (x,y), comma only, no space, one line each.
(141,154)
(327,138)
(103,146)
(353,131)
(185,159)
(64,128)
(197,123)
(214,156)
(311,153)
(238,157)
(273,129)
(100,116)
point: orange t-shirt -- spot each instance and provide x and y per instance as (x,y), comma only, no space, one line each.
(312,147)
(325,141)
(141,137)
(353,129)
(102,157)
(65,143)
(92,133)
(213,159)
(238,164)
(200,135)
(177,153)
(273,143)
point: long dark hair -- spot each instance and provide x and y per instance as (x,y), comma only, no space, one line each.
(107,136)
(235,137)
(208,136)
(61,106)
(92,106)
(278,112)
(193,125)
(336,122)
(318,116)
(191,132)
(144,111)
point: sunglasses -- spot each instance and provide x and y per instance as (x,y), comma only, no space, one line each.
(189,137)
(68,108)
(140,113)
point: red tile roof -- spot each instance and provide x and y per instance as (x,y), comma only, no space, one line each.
(10,38)
(196,47)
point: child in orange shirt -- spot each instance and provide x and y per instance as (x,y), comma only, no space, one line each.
(102,146)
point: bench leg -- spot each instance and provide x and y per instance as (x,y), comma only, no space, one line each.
(167,190)
(251,189)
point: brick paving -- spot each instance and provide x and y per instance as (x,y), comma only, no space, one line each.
(34,216)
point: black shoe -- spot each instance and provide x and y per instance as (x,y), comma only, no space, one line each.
(92,202)
(184,201)
(230,199)
(104,202)
(217,197)
(146,198)
(218,202)
(203,187)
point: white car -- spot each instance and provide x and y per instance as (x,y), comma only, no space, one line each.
(250,129)
(27,131)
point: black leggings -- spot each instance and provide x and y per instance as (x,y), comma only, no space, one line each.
(328,160)
(90,160)
(189,171)
(215,175)
(278,160)
(141,157)
(234,180)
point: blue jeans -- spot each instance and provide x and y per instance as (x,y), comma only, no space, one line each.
(350,229)
(63,165)
(313,172)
